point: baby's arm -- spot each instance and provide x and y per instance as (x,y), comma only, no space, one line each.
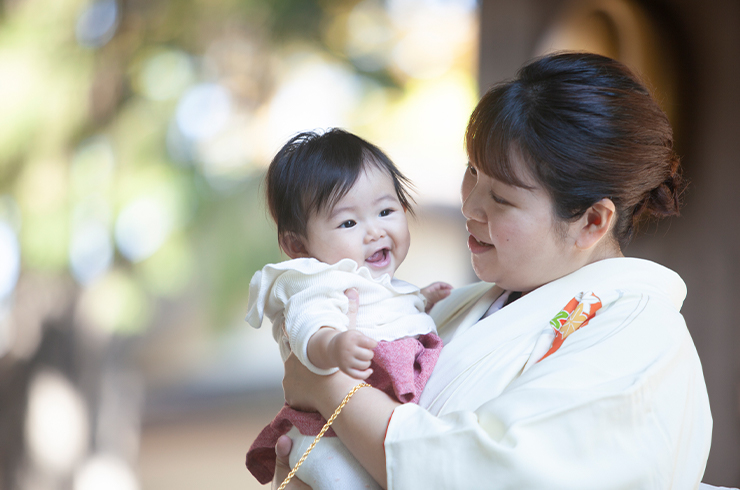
(436,291)
(350,351)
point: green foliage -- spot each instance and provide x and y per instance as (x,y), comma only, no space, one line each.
(64,104)
(90,138)
(236,238)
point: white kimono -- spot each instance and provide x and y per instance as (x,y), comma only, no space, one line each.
(621,405)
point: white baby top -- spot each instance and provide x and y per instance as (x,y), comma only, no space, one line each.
(300,296)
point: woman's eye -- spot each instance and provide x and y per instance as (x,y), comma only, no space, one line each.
(498,199)
(472,169)
(385,212)
(348,224)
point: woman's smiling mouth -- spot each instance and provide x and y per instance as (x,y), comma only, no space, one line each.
(476,246)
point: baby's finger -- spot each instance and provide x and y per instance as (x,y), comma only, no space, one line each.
(366,342)
(360,364)
(363,354)
(359,373)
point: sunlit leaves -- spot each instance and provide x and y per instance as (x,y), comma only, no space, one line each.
(138,157)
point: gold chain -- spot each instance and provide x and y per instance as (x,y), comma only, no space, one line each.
(321,434)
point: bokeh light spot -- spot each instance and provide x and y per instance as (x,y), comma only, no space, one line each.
(369,35)
(169,271)
(166,74)
(203,111)
(316,94)
(227,159)
(91,251)
(105,471)
(10,212)
(142,227)
(45,240)
(92,166)
(97,23)
(56,422)
(114,303)
(10,260)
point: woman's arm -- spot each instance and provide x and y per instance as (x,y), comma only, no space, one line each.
(362,424)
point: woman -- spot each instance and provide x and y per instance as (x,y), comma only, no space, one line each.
(590,379)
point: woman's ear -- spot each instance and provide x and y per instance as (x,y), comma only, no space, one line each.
(293,246)
(595,224)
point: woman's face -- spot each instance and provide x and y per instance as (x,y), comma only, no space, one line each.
(515,240)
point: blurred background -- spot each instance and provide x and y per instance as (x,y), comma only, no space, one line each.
(134,136)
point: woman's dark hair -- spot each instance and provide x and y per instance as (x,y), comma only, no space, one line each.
(314,171)
(587,129)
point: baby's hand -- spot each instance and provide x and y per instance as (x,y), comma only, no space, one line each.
(436,291)
(351,352)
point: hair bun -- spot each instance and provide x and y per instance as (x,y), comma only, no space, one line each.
(664,200)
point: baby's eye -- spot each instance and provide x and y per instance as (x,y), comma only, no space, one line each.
(385,212)
(348,224)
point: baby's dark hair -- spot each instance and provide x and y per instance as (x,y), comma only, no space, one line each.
(313,171)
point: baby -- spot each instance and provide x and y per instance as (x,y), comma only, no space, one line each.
(340,207)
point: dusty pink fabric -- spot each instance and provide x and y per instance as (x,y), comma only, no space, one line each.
(401,368)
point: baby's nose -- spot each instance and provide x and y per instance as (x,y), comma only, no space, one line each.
(375,232)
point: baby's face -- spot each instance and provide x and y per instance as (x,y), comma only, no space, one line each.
(368,225)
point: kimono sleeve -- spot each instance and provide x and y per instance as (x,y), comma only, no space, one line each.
(483,450)
(573,427)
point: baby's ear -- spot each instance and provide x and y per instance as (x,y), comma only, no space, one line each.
(293,245)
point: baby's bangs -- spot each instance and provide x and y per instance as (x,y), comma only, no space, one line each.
(329,191)
(375,158)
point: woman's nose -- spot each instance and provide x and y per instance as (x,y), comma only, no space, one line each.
(471,207)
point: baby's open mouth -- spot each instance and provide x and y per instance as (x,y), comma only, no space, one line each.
(378,257)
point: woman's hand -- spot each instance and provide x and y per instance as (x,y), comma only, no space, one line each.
(282,466)
(311,392)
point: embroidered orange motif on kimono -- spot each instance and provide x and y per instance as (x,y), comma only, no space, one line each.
(573,316)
